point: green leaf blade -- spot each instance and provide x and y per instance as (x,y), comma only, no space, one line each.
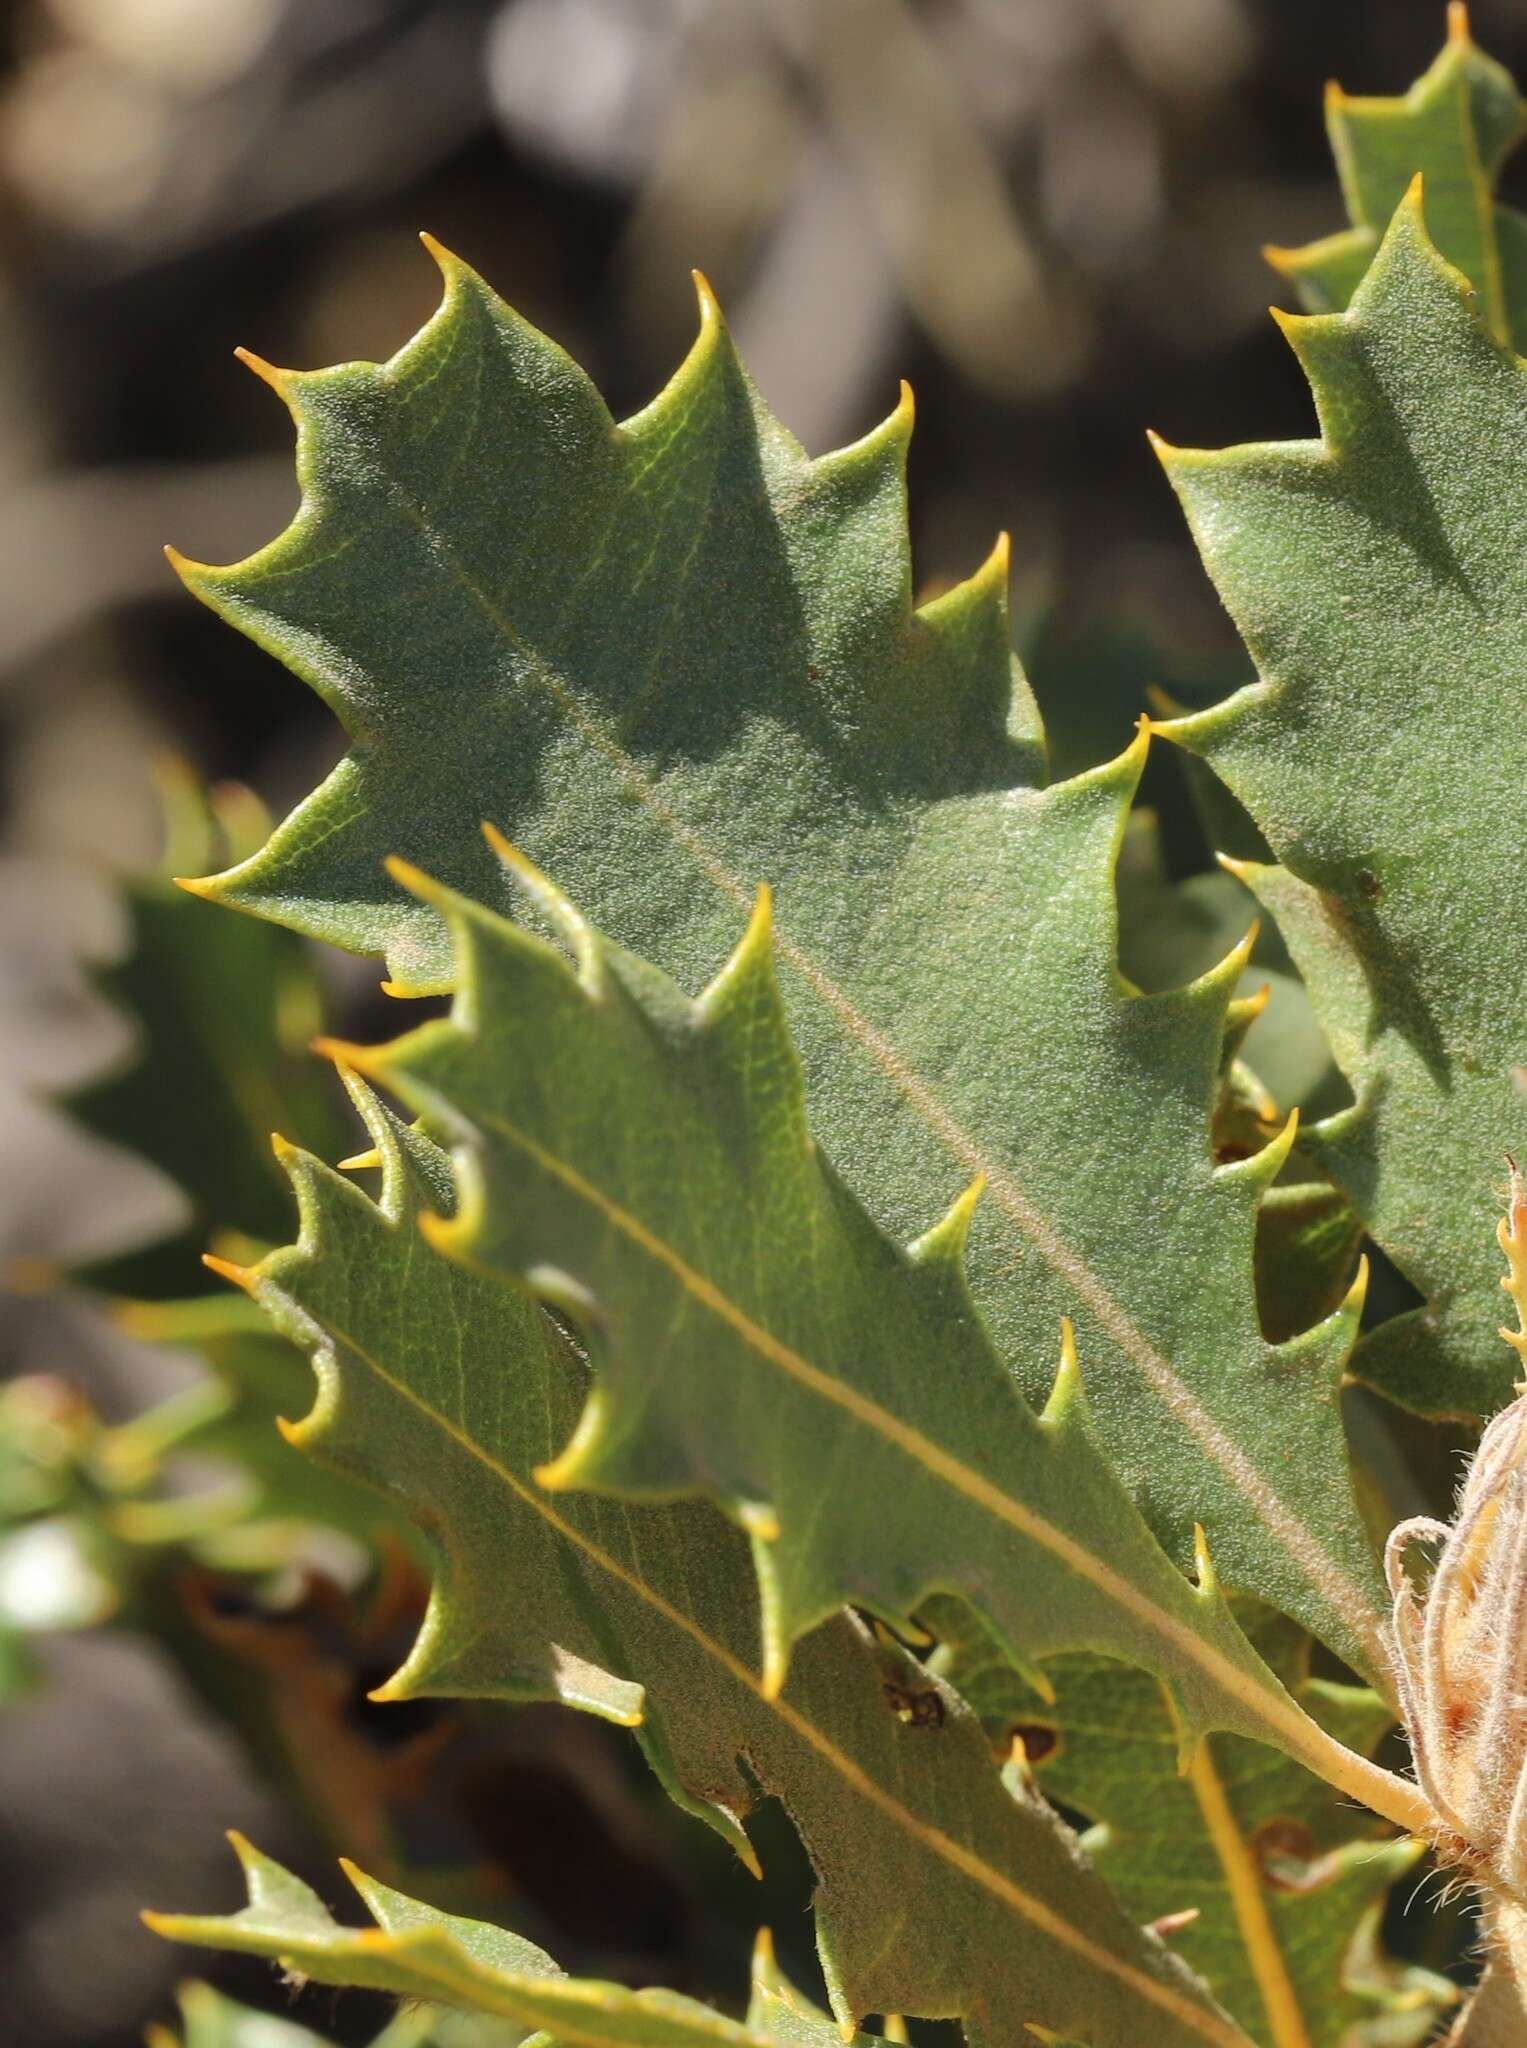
(1376,577)
(674,658)
(449,1388)
(763,1343)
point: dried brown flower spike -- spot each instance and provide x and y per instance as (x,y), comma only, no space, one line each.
(1460,1645)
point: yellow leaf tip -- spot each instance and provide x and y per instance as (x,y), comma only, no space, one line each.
(283,1148)
(1458,22)
(437,1231)
(711,314)
(403,872)
(511,856)
(342,1053)
(225,1269)
(1203,1564)
(556,1475)
(759,1520)
(204,886)
(360,1160)
(280,381)
(445,260)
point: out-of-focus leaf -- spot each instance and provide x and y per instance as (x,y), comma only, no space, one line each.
(1455,127)
(222,1011)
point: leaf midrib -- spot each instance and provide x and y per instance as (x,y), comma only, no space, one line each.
(933,1839)
(1322,1571)
(1300,1736)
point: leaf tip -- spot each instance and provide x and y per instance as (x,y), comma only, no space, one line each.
(1203,1564)
(204,886)
(359,1160)
(1067,1390)
(711,315)
(1243,870)
(445,260)
(184,566)
(1284,261)
(225,1269)
(1357,1294)
(759,1520)
(1458,23)
(414,880)
(344,1054)
(280,381)
(439,1232)
(945,1243)
(776,1664)
(559,910)
(283,1147)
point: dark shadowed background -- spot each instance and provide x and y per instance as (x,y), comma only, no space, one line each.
(1046,213)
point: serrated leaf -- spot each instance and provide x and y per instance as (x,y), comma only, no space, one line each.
(228,1423)
(673,656)
(644,1161)
(940,1892)
(222,1010)
(209,2020)
(414,1951)
(1455,127)
(1284,1884)
(1376,576)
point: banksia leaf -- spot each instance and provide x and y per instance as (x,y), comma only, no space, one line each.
(417,1953)
(450,1389)
(1455,127)
(675,659)
(1376,575)
(1278,1888)
(644,1161)
(221,1013)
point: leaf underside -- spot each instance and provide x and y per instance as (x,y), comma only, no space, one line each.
(941,1891)
(674,657)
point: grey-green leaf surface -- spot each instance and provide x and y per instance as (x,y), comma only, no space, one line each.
(1376,574)
(1455,127)
(645,1162)
(674,658)
(939,1892)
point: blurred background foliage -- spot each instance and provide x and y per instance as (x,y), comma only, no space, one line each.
(1046,213)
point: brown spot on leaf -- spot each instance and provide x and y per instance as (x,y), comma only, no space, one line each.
(916,1709)
(1038,1740)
